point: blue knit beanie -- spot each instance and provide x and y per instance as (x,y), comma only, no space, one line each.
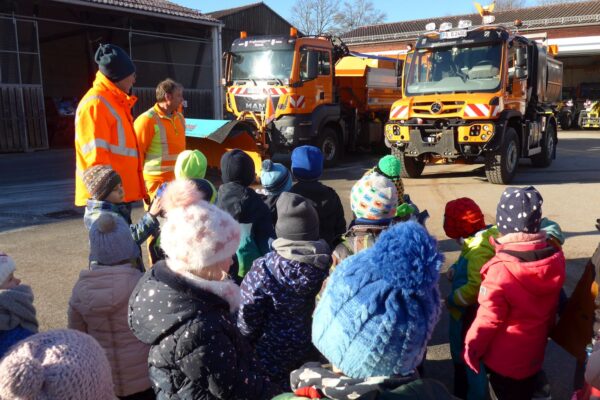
(380,306)
(307,163)
(114,62)
(275,177)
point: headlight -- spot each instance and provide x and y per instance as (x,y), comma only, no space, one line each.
(288,131)
(569,103)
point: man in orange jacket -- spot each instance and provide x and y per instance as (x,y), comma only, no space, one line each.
(104,131)
(160,133)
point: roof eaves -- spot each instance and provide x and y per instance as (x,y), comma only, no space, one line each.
(563,22)
(195,17)
(229,11)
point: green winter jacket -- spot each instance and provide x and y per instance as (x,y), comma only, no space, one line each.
(476,251)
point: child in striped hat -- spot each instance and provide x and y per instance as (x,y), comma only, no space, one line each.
(373,200)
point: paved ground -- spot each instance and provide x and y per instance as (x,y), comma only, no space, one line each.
(41,229)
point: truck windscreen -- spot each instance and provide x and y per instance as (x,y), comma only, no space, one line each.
(436,70)
(262,64)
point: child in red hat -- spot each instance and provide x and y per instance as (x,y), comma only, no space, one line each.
(464,222)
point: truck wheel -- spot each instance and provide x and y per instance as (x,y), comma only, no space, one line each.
(544,159)
(579,120)
(329,144)
(566,122)
(501,166)
(411,167)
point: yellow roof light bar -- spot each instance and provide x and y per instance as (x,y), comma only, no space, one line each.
(485,10)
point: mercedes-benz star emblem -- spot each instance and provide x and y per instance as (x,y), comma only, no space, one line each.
(436,108)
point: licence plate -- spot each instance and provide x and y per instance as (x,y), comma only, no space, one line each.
(453,34)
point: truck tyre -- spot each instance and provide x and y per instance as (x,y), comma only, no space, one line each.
(579,119)
(544,159)
(411,167)
(566,122)
(329,144)
(501,166)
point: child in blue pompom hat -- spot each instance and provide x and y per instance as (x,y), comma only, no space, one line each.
(374,320)
(307,167)
(276,179)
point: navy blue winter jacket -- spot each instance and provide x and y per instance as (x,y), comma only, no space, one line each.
(278,299)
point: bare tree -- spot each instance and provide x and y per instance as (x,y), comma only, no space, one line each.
(314,17)
(355,13)
(503,5)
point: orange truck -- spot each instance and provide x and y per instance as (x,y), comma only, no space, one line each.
(476,94)
(287,91)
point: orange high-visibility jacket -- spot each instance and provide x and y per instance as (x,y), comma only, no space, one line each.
(104,135)
(160,138)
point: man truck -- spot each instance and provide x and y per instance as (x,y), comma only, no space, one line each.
(286,91)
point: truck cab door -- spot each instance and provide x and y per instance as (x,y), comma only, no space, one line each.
(516,85)
(316,76)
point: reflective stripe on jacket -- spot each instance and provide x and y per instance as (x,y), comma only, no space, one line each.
(104,135)
(161,138)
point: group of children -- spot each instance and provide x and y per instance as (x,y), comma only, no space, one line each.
(268,294)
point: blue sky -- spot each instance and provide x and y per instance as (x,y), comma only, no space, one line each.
(396,10)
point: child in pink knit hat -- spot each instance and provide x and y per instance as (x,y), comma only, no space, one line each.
(183,307)
(60,364)
(17,313)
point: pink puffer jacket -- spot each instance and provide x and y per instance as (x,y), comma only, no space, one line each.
(518,301)
(98,306)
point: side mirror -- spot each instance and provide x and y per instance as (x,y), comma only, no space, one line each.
(313,65)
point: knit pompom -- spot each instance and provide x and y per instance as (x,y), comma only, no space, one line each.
(267,165)
(180,193)
(105,223)
(27,374)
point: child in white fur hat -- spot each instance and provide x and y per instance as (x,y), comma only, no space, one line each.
(183,307)
(17,314)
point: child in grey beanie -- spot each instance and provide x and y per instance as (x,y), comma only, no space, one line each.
(99,303)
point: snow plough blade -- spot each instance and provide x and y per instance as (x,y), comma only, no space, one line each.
(215,137)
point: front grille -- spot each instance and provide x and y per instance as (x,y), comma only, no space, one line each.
(254,104)
(448,107)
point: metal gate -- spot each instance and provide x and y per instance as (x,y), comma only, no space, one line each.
(22,114)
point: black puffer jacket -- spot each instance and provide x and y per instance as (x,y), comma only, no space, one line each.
(247,208)
(332,224)
(197,351)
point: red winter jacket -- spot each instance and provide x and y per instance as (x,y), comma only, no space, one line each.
(518,299)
